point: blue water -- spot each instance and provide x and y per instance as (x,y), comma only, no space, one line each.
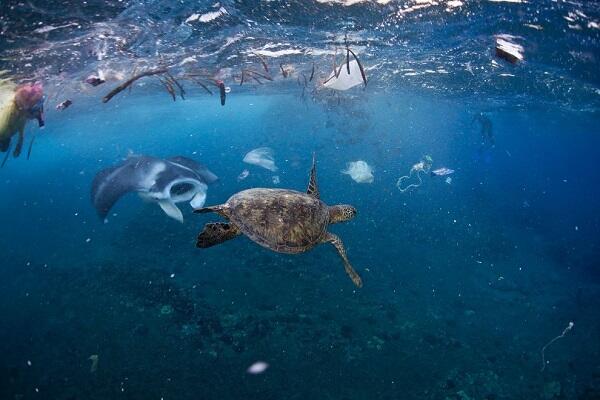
(464,282)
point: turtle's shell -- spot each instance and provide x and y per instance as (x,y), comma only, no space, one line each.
(285,221)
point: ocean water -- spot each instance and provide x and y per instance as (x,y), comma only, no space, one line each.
(465,280)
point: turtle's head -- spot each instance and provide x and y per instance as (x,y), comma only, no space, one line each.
(341,213)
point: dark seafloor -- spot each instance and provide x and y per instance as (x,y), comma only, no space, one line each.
(464,282)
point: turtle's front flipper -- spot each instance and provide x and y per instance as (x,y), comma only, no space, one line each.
(215,233)
(336,241)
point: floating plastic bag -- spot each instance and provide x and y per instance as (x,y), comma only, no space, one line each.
(345,81)
(359,171)
(263,157)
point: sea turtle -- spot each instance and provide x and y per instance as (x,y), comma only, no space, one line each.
(285,221)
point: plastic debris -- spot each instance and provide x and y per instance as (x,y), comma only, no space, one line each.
(442,172)
(344,80)
(94,80)
(562,335)
(243,175)
(257,368)
(262,157)
(94,359)
(64,105)
(423,166)
(207,17)
(508,50)
(359,171)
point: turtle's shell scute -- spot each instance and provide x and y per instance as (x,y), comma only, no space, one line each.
(281,220)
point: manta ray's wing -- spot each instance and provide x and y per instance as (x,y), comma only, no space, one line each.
(112,183)
(199,169)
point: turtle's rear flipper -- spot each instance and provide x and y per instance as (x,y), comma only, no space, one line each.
(215,233)
(339,246)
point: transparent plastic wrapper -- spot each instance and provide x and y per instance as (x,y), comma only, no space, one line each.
(359,171)
(262,157)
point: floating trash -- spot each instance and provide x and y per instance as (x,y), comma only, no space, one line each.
(423,166)
(344,80)
(94,80)
(262,157)
(508,50)
(276,180)
(562,335)
(257,368)
(359,171)
(64,105)
(442,172)
(94,359)
(207,17)
(448,180)
(243,175)
(167,309)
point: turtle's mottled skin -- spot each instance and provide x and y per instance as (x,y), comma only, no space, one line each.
(282,220)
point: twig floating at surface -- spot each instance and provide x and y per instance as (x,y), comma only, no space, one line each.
(203,85)
(167,84)
(347,53)
(179,86)
(134,72)
(335,63)
(348,60)
(131,80)
(262,60)
(252,72)
(305,81)
(362,70)
(222,91)
(256,79)
(254,75)
(336,73)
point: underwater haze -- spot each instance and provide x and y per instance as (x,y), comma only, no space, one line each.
(468,142)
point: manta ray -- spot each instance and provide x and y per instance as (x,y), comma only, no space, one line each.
(166,182)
